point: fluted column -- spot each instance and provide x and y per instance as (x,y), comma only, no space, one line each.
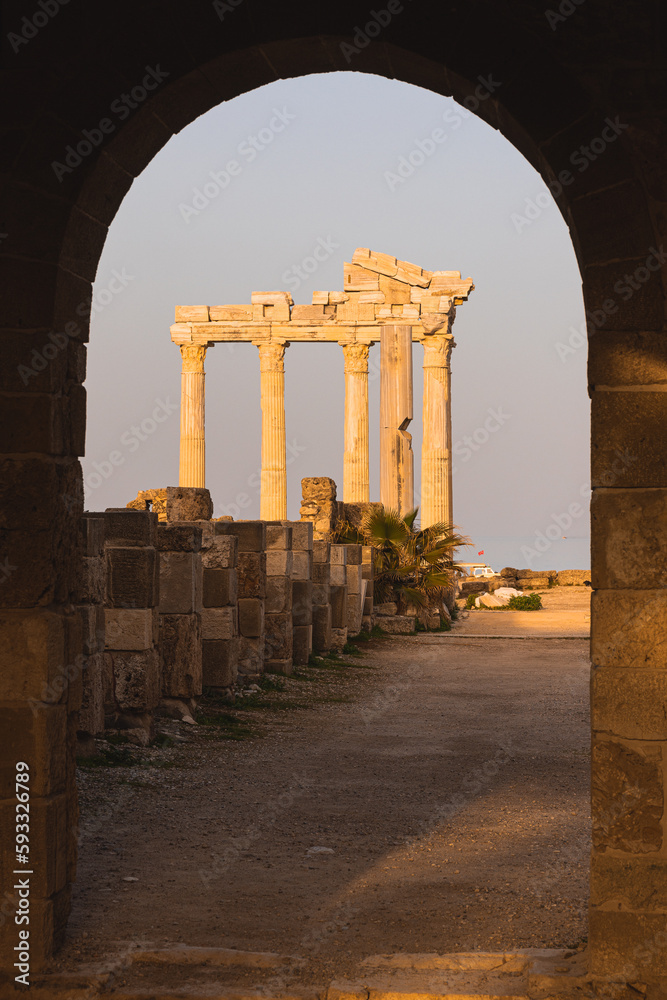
(436,486)
(192,464)
(273,497)
(355,459)
(396,456)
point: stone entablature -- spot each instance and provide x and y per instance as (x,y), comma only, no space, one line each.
(379,290)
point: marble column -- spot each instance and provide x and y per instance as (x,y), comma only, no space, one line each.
(436,485)
(396,456)
(273,497)
(192,464)
(355,458)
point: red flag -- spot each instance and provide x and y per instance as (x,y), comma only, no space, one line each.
(481,553)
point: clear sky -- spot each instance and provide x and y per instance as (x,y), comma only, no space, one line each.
(318,165)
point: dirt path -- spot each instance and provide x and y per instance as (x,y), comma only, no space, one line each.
(450,794)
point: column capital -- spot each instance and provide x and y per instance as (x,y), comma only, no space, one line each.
(438,351)
(193,357)
(271,355)
(356,358)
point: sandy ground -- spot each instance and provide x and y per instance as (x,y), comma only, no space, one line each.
(445,775)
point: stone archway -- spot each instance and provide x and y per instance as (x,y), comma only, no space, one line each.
(88,105)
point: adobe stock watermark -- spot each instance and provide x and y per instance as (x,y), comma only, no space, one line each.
(122,107)
(625,288)
(471,443)
(247,150)
(565,11)
(295,275)
(581,158)
(223,7)
(131,440)
(427,147)
(30,26)
(58,339)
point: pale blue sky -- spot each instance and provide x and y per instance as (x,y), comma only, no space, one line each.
(326,177)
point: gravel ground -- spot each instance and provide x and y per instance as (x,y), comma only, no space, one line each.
(431,796)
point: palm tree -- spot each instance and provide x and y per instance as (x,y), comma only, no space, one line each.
(413,566)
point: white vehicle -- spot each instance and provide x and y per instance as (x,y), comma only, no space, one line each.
(479,571)
(484,572)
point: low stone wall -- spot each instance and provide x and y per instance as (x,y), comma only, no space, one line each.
(180,636)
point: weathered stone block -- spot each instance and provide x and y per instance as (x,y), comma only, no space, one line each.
(92,533)
(399,624)
(354,613)
(629,703)
(93,628)
(302,644)
(91,587)
(628,444)
(220,552)
(278,562)
(251,617)
(123,527)
(338,601)
(628,539)
(178,537)
(278,594)
(180,582)
(321,628)
(572,577)
(251,574)
(219,662)
(302,565)
(354,555)
(250,656)
(338,638)
(38,737)
(132,577)
(181,656)
(354,578)
(628,883)
(321,573)
(278,637)
(302,535)
(188,503)
(128,628)
(338,575)
(302,602)
(91,713)
(320,593)
(338,555)
(630,944)
(220,588)
(629,628)
(251,534)
(386,610)
(278,536)
(218,623)
(284,667)
(136,680)
(321,552)
(33,655)
(627,797)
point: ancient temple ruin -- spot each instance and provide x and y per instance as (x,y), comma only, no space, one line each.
(383,300)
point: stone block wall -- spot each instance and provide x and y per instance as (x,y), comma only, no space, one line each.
(180,640)
(338,595)
(131,621)
(302,592)
(367,574)
(322,618)
(278,643)
(220,609)
(251,593)
(90,597)
(356,589)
